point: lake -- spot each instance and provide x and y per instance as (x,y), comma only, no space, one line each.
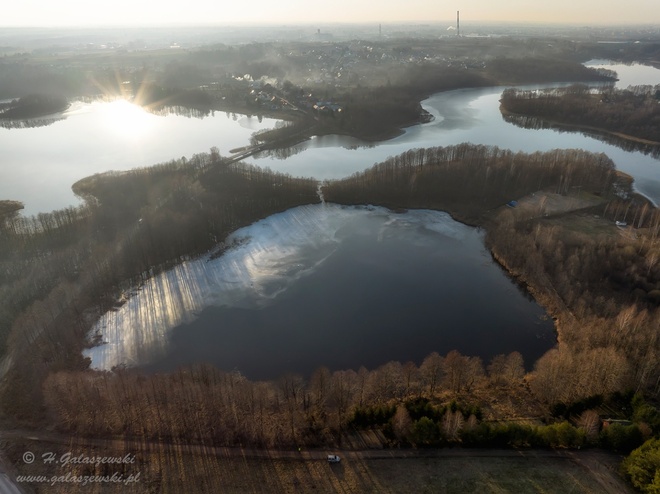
(318,285)
(634,74)
(328,285)
(39,164)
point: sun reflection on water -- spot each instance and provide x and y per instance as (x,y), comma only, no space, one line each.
(281,249)
(127,120)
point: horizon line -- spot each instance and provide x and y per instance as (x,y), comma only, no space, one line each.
(443,22)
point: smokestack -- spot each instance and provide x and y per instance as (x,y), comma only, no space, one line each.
(458,23)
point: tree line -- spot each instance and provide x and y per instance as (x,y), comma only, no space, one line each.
(33,105)
(633,111)
(202,404)
(411,405)
(470,180)
(543,69)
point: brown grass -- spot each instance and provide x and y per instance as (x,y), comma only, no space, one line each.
(169,469)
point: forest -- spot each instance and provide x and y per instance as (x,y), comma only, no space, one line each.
(633,112)
(434,404)
(600,286)
(33,105)
(470,181)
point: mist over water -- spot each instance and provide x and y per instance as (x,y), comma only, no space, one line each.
(328,285)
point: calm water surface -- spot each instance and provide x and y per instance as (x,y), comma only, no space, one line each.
(629,75)
(329,285)
(40,164)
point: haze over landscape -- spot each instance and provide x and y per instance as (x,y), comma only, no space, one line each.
(205,12)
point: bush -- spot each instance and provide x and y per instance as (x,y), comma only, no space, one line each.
(642,467)
(421,407)
(622,438)
(425,432)
(562,435)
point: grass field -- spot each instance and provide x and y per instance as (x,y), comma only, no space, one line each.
(173,469)
(417,475)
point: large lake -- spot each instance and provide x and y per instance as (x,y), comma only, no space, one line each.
(318,285)
(328,285)
(39,164)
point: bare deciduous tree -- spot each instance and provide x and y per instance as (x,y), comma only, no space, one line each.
(431,372)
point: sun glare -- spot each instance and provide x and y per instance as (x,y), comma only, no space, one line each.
(127,120)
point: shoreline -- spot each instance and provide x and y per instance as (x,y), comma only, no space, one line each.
(553,124)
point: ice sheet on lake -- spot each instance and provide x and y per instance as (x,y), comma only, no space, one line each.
(268,257)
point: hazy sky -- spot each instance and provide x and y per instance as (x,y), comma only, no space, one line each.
(148,12)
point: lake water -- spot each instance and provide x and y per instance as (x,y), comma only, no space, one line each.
(466,115)
(319,285)
(328,285)
(629,75)
(40,164)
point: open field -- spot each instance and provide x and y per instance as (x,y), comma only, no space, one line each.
(518,473)
(549,204)
(168,468)
(521,474)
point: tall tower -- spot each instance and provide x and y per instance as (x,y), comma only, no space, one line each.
(458,23)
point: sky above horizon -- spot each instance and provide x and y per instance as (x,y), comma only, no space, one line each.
(154,12)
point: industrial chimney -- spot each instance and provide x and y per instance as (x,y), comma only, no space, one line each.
(458,23)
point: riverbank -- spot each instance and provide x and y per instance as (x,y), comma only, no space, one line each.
(514,118)
(623,116)
(537,206)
